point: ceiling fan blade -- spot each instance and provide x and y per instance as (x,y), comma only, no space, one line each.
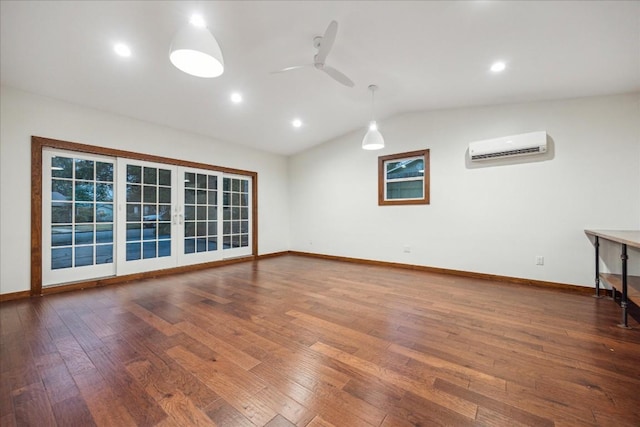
(338,76)
(295,67)
(327,42)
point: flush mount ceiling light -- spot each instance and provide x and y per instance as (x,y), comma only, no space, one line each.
(236,97)
(122,49)
(195,51)
(499,66)
(373,140)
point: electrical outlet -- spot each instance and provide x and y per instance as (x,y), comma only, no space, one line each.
(407,249)
(539,260)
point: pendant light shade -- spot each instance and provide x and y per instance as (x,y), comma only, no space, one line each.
(195,51)
(373,139)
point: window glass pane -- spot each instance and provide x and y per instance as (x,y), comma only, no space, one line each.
(190,197)
(189,229)
(189,213)
(405,190)
(84,169)
(212,228)
(213,198)
(244,227)
(201,228)
(84,256)
(235,241)
(226,227)
(212,243)
(235,227)
(149,231)
(164,212)
(213,213)
(226,184)
(104,233)
(213,182)
(226,213)
(405,168)
(164,230)
(104,254)
(149,194)
(134,232)
(134,174)
(104,192)
(164,195)
(61,235)
(245,186)
(189,246)
(149,213)
(202,181)
(235,199)
(235,185)
(164,177)
(104,212)
(84,191)
(62,167)
(150,175)
(201,245)
(84,234)
(149,250)
(226,242)
(60,258)
(134,193)
(133,251)
(202,197)
(244,212)
(84,212)
(201,213)
(134,212)
(61,212)
(104,172)
(164,248)
(61,190)
(189,180)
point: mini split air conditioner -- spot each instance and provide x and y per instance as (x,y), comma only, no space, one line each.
(509,146)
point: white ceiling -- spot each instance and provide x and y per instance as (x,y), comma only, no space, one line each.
(422,55)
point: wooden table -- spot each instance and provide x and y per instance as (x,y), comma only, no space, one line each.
(629,285)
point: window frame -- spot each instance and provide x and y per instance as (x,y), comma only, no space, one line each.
(382,179)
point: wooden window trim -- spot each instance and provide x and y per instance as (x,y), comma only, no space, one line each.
(38,143)
(381,178)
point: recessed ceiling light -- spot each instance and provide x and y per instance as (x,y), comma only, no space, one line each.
(122,50)
(197,21)
(296,123)
(499,66)
(236,98)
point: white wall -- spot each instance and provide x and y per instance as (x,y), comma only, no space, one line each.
(494,219)
(23,114)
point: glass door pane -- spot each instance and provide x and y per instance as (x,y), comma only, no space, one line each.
(147,239)
(199,218)
(78,216)
(236,216)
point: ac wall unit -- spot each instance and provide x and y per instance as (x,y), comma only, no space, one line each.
(509,146)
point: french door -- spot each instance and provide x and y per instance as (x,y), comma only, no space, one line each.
(107,216)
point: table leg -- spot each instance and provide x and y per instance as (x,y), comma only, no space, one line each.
(597,246)
(623,297)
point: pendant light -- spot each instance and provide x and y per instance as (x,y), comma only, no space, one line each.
(195,51)
(373,140)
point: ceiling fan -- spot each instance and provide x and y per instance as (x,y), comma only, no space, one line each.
(323,44)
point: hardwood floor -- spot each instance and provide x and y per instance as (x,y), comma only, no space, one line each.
(300,341)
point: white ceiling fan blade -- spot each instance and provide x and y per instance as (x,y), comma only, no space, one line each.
(327,42)
(295,67)
(338,76)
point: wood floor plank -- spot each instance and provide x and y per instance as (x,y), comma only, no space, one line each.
(299,341)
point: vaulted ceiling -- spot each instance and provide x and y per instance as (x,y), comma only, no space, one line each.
(423,55)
